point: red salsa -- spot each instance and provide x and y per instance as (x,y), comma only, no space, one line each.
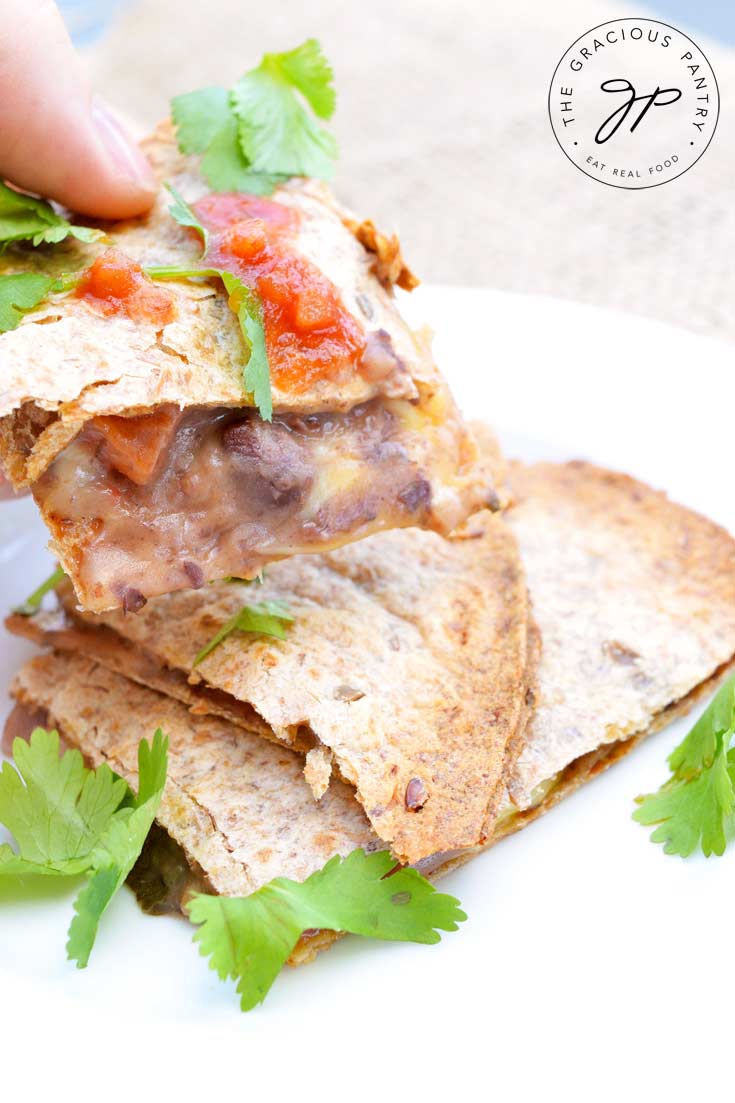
(309,334)
(115,284)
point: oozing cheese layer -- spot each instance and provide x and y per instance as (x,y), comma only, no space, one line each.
(169,501)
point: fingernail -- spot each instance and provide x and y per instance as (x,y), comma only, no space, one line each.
(123,152)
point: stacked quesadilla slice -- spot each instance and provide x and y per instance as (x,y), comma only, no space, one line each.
(182,418)
(406,671)
(634,598)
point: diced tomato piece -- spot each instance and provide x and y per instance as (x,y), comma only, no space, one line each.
(247,239)
(115,284)
(275,287)
(134,445)
(312,309)
(111,276)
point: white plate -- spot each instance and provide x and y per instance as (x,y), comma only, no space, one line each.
(589,959)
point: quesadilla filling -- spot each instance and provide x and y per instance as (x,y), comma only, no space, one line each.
(171,500)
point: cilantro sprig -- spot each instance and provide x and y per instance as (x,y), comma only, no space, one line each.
(68,820)
(25,218)
(265,618)
(23,291)
(696,806)
(248,308)
(265,128)
(248,939)
(119,847)
(20,293)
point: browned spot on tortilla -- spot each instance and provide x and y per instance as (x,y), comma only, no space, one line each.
(389,265)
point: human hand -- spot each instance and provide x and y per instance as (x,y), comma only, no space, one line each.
(56,138)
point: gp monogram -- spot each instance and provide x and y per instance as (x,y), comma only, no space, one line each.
(634,103)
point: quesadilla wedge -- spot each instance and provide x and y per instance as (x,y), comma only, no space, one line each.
(406,669)
(157,461)
(237,805)
(634,597)
(633,594)
(233,798)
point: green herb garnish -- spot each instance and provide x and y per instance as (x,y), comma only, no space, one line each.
(68,820)
(119,847)
(32,603)
(23,218)
(257,374)
(266,618)
(247,307)
(185,216)
(248,939)
(694,808)
(23,291)
(264,129)
(20,293)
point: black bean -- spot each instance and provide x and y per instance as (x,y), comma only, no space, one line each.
(132,600)
(275,459)
(416,795)
(194,573)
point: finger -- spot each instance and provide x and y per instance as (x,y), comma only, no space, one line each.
(55,139)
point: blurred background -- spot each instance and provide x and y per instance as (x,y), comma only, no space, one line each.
(444,136)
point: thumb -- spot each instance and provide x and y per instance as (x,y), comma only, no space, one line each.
(55,139)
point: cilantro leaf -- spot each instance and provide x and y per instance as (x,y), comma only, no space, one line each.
(248,939)
(206,124)
(184,215)
(307,69)
(696,806)
(119,848)
(198,116)
(226,168)
(24,218)
(20,293)
(261,132)
(246,305)
(13,865)
(257,376)
(67,820)
(266,618)
(33,602)
(54,807)
(277,133)
(700,746)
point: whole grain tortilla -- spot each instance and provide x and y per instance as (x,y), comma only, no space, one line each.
(407,668)
(67,363)
(634,597)
(237,804)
